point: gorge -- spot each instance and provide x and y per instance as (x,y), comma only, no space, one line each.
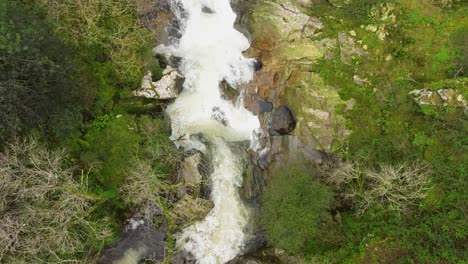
(211,51)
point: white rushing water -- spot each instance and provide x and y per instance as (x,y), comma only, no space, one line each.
(211,51)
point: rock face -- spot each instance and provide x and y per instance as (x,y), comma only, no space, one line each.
(140,240)
(281,35)
(282,122)
(168,87)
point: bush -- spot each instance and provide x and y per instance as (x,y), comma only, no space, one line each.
(43,211)
(391,188)
(110,148)
(107,25)
(295,203)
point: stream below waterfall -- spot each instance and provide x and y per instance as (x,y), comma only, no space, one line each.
(211,51)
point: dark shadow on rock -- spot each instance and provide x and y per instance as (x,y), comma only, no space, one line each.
(258,65)
(282,122)
(183,257)
(140,240)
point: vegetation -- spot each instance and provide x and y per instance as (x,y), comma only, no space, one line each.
(67,70)
(393,188)
(78,155)
(295,205)
(399,194)
(36,82)
(45,212)
(391,209)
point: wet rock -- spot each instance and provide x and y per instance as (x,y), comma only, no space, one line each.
(228,92)
(218,115)
(168,87)
(189,173)
(140,240)
(206,169)
(264,106)
(258,65)
(157,17)
(282,122)
(257,242)
(253,183)
(207,10)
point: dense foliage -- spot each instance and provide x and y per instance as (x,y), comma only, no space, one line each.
(295,205)
(36,81)
(66,70)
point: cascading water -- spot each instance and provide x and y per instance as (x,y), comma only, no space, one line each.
(211,51)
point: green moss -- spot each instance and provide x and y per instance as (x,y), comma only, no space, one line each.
(112,144)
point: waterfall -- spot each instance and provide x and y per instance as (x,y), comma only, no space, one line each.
(211,51)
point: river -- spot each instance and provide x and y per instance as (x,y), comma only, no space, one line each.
(211,51)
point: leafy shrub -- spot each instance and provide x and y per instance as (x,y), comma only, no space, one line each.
(43,211)
(295,203)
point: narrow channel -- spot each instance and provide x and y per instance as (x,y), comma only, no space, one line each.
(211,52)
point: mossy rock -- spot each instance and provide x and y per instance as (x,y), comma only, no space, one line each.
(313,103)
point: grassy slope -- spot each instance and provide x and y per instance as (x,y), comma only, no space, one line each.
(428,46)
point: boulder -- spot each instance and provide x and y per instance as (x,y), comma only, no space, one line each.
(140,240)
(183,257)
(282,122)
(188,172)
(168,87)
(441,97)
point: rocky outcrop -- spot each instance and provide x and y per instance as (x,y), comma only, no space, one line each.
(253,182)
(441,97)
(168,87)
(140,240)
(348,48)
(281,34)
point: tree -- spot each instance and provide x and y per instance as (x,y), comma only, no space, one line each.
(36,70)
